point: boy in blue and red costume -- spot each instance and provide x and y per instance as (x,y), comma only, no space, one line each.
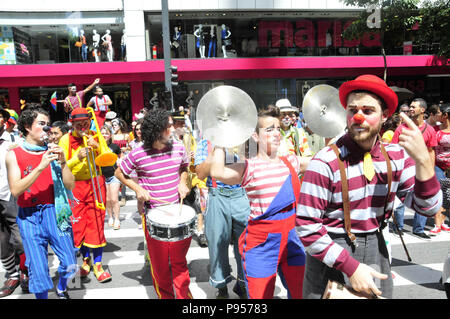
(269,242)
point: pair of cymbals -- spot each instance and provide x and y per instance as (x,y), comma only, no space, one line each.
(226,116)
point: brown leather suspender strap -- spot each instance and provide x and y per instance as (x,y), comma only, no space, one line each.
(389,174)
(344,183)
(345,197)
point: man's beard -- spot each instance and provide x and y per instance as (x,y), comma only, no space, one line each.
(366,135)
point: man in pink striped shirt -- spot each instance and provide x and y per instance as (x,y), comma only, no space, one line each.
(333,253)
(161,166)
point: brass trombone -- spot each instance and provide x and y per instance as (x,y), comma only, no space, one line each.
(105,158)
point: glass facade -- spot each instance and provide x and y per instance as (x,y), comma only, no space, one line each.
(61,37)
(266,34)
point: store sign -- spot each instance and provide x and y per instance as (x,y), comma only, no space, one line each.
(309,34)
(7,50)
(417,85)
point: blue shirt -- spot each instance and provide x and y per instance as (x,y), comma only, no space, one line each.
(201,155)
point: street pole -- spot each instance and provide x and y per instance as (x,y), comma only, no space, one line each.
(166,47)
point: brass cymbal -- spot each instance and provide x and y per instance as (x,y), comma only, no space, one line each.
(323,112)
(226,116)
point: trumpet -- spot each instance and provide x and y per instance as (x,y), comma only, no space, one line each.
(105,158)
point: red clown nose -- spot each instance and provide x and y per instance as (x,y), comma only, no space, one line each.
(358,118)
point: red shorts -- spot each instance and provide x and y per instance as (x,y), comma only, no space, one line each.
(88,221)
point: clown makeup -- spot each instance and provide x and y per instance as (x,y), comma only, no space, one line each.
(269,135)
(364,118)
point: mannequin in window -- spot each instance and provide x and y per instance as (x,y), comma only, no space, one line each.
(200,40)
(154,101)
(106,38)
(190,100)
(123,45)
(83,46)
(176,41)
(226,33)
(96,43)
(212,43)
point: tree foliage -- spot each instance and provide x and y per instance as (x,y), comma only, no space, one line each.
(425,23)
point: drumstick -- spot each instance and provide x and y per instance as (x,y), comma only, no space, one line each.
(181,207)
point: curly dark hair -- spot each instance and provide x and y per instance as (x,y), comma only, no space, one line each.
(27,118)
(153,125)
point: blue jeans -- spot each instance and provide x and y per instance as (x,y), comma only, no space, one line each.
(399,214)
(84,50)
(225,219)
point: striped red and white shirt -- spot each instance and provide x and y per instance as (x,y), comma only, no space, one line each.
(158,171)
(262,181)
(321,210)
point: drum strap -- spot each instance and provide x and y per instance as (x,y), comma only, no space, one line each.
(345,196)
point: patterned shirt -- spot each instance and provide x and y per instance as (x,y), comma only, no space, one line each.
(294,141)
(201,155)
(443,150)
(321,209)
(262,181)
(75,101)
(158,171)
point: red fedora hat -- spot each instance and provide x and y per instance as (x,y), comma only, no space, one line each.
(371,83)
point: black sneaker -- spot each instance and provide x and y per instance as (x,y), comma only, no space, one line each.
(62,294)
(422,236)
(222,293)
(239,289)
(202,240)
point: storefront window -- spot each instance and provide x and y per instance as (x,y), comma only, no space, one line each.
(4,98)
(29,38)
(119,94)
(263,34)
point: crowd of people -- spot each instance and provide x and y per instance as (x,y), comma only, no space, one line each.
(309,209)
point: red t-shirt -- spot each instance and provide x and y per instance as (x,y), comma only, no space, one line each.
(428,133)
(41,192)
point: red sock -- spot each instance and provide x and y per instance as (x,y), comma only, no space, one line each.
(22,262)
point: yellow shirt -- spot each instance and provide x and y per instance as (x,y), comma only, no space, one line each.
(80,169)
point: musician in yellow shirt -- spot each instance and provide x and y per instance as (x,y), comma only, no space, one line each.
(88,220)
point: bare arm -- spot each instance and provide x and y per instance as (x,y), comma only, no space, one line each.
(68,178)
(229,174)
(183,188)
(96,81)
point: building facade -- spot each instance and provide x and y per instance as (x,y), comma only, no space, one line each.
(270,48)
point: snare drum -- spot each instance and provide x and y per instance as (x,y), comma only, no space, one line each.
(168,223)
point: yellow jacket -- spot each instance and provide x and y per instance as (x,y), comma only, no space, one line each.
(80,169)
(191,145)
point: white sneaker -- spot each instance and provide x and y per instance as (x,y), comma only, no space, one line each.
(111,222)
(117,224)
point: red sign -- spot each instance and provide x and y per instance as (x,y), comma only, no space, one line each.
(306,33)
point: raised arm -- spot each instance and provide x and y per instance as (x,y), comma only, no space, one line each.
(96,81)
(228,174)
